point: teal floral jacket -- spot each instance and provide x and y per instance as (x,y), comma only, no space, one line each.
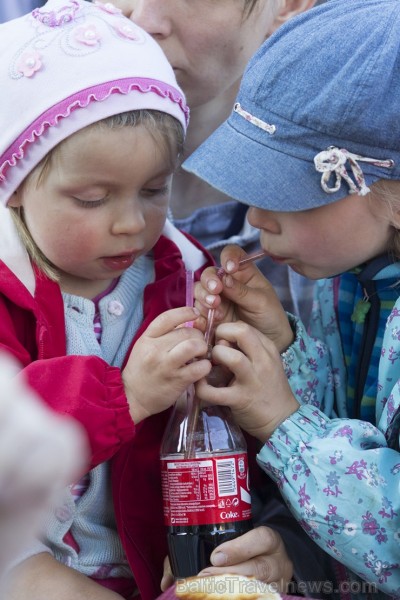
(337,460)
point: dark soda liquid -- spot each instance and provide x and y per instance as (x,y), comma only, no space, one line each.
(190,547)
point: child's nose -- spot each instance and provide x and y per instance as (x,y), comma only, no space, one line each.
(128,220)
(263,219)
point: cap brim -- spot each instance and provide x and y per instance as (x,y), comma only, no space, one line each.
(257,174)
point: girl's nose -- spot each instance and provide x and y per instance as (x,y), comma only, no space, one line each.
(128,220)
(263,219)
(153,17)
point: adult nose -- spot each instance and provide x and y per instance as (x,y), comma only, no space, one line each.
(153,16)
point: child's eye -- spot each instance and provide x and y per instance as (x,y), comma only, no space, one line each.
(151,192)
(89,203)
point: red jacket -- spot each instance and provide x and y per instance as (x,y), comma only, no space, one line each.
(32,328)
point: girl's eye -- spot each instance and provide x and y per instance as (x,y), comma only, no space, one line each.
(89,203)
(152,192)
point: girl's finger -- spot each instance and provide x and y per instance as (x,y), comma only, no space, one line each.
(170,320)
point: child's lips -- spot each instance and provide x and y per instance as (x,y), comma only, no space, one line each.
(278,259)
(120,262)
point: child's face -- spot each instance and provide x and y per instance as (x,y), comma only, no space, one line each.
(208,42)
(101,205)
(322,242)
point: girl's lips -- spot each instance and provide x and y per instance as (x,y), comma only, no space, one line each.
(119,263)
(277,259)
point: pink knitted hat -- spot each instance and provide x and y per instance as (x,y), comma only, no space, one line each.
(67,65)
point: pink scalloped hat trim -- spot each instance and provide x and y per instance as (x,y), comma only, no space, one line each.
(81,99)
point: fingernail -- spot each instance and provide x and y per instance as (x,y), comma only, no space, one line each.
(219,559)
(228,281)
(212,284)
(230,265)
(210,300)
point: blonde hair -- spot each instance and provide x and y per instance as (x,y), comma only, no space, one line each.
(388,191)
(165,130)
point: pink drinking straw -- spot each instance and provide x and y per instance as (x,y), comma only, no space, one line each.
(208,334)
(194,406)
(211,313)
(189,292)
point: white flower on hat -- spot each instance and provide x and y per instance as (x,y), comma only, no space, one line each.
(87,34)
(29,63)
(333,160)
(127,31)
(108,7)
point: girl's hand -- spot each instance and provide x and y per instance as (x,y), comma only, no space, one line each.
(243,293)
(258,393)
(260,553)
(162,363)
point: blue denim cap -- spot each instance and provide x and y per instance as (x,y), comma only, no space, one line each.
(318,111)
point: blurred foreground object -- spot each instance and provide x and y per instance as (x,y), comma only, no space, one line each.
(11,9)
(40,453)
(224,587)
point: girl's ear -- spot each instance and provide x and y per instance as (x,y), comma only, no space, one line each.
(395,219)
(15,200)
(291,8)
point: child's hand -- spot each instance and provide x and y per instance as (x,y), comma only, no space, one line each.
(259,393)
(259,553)
(243,293)
(162,363)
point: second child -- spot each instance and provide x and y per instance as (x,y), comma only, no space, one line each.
(313,147)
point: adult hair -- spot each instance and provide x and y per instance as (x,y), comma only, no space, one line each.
(250,5)
(274,7)
(165,130)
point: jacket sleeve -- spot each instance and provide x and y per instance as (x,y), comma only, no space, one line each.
(92,392)
(307,367)
(341,481)
(314,569)
(84,387)
(338,476)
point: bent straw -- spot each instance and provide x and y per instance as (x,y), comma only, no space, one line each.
(195,402)
(211,313)
(194,409)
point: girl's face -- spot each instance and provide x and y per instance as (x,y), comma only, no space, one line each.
(322,242)
(101,205)
(208,42)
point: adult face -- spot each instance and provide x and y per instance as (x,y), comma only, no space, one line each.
(208,42)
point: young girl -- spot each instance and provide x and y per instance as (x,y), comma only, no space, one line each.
(313,146)
(91,122)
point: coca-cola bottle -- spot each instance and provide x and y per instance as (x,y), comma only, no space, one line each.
(205,483)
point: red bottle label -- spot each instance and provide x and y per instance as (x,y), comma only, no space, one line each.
(206,490)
